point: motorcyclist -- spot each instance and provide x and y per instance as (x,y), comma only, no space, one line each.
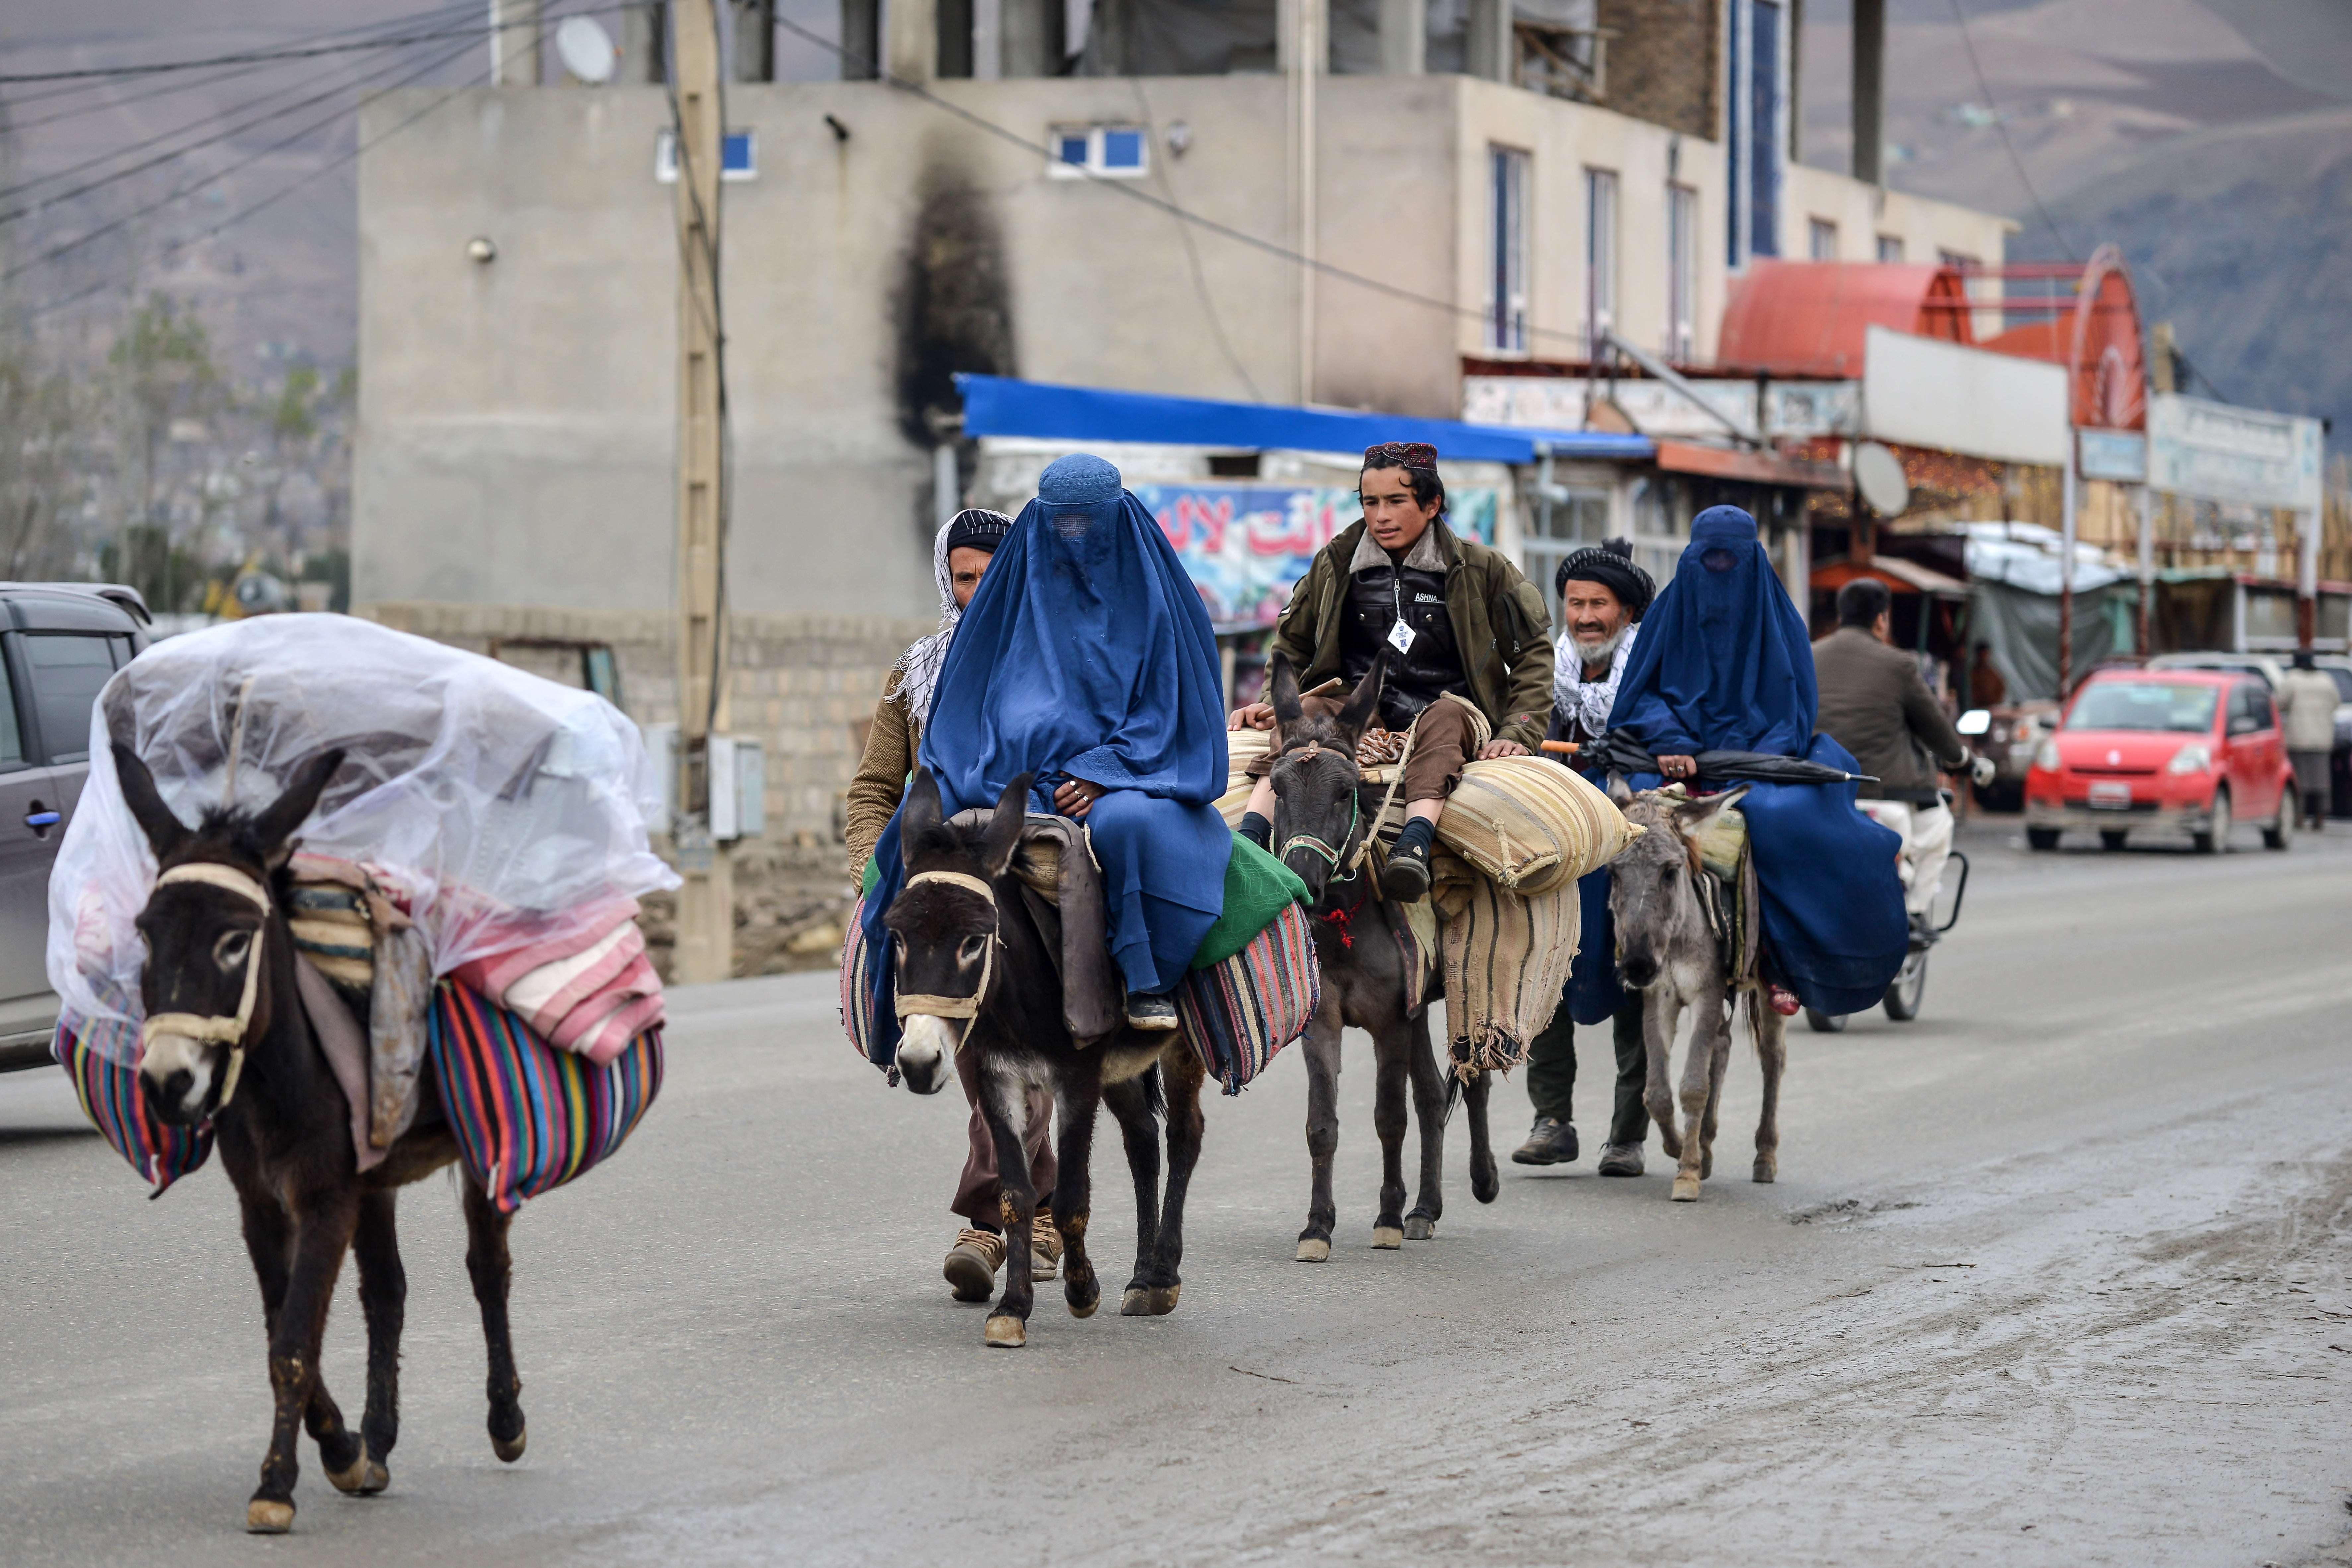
(1876,704)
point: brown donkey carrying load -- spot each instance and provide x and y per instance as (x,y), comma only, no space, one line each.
(196,1016)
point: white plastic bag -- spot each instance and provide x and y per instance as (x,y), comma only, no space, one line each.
(501,808)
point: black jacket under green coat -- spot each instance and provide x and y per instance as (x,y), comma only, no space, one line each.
(1498,623)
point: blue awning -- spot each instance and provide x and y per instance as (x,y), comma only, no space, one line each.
(996,405)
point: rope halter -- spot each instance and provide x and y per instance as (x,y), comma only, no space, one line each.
(224,1031)
(918,1003)
(1330,853)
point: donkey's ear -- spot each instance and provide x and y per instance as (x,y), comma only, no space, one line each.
(1694,816)
(921,816)
(274,829)
(1357,712)
(1003,835)
(1282,690)
(1620,793)
(165,833)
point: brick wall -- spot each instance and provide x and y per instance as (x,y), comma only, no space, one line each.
(800,683)
(1664,62)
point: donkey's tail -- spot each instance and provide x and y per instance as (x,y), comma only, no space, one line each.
(1756,1020)
(1155,1093)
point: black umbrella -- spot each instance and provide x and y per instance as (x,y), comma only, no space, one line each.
(1622,754)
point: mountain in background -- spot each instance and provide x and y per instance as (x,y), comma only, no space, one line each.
(2212,143)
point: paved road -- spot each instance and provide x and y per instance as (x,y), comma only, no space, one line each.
(2056,1275)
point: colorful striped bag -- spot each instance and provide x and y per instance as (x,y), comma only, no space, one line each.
(857,983)
(160,1153)
(528,1117)
(1240,1012)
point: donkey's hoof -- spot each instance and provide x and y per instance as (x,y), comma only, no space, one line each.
(1136,1304)
(1706,1165)
(1387,1237)
(1768,1168)
(1685,1189)
(1163,1299)
(1083,1296)
(1485,1180)
(377,1479)
(354,1477)
(509,1448)
(1419,1227)
(1314,1249)
(263,1516)
(1007,1333)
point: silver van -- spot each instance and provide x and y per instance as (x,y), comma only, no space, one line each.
(59,643)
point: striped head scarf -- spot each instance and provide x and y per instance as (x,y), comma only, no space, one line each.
(919,667)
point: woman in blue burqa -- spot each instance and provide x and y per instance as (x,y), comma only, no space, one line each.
(1086,660)
(1723,663)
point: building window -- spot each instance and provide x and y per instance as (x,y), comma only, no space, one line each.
(738,157)
(1822,240)
(1955,258)
(1506,271)
(1118,151)
(1890,247)
(1759,130)
(1681,272)
(1599,252)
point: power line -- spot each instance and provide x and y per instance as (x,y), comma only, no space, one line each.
(188,84)
(1136,193)
(2000,124)
(190,189)
(215,139)
(262,56)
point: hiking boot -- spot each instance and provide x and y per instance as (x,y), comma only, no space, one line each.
(1621,1160)
(1405,877)
(1045,1247)
(1152,1012)
(1552,1143)
(973,1263)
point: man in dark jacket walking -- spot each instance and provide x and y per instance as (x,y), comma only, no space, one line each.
(1876,704)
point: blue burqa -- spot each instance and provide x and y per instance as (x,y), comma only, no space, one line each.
(1086,653)
(1723,663)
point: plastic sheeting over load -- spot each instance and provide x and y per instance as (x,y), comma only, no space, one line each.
(498,809)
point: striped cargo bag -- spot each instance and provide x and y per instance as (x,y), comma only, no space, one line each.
(161,1153)
(529,1117)
(1240,1012)
(857,982)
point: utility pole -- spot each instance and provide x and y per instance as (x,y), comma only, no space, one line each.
(706,904)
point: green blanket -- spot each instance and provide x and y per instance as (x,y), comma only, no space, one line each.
(1257,887)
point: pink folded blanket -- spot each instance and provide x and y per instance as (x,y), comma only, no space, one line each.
(588,988)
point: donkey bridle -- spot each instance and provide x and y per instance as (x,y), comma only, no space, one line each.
(228,1031)
(1355,822)
(920,1004)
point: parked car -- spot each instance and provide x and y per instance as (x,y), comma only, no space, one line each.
(59,643)
(2163,750)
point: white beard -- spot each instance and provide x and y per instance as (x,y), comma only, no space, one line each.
(1600,650)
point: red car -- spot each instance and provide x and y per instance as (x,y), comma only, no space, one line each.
(2163,750)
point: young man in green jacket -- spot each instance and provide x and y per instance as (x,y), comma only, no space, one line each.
(1464,633)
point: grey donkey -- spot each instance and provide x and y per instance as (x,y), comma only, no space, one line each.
(1672,951)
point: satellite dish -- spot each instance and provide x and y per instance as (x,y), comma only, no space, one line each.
(1878,474)
(585,49)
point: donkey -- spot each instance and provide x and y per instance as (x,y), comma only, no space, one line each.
(1669,948)
(1322,814)
(979,963)
(226,1041)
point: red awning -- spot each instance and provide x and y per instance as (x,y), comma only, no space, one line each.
(1808,318)
(1756,467)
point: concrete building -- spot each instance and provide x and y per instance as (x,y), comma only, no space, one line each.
(1470,185)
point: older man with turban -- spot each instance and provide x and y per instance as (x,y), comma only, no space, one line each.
(1602,597)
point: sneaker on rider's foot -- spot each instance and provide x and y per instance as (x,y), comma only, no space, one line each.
(1620,1159)
(973,1263)
(1152,1012)
(1551,1143)
(1405,877)
(1045,1247)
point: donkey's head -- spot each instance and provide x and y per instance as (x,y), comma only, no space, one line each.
(945,924)
(1654,895)
(1314,776)
(205,926)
